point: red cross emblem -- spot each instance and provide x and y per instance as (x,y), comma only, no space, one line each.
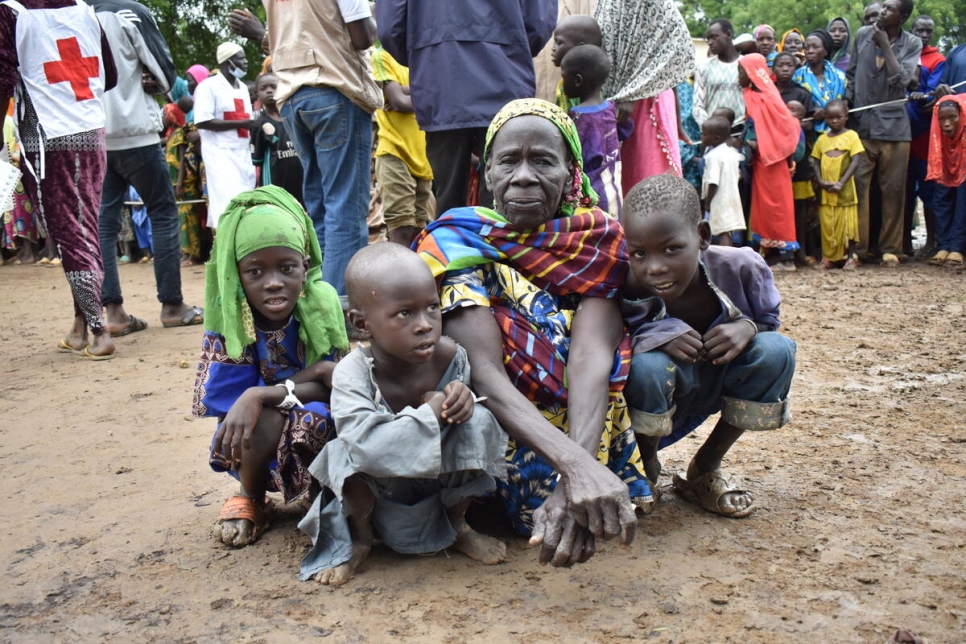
(74,68)
(239,115)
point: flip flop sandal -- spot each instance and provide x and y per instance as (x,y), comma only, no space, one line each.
(708,489)
(133,326)
(244,508)
(851,264)
(43,261)
(194,315)
(55,262)
(86,353)
(954,260)
(939,258)
(65,347)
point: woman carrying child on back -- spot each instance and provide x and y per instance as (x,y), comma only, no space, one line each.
(273,332)
(947,166)
(835,158)
(772,135)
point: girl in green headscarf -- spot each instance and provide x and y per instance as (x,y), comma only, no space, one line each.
(274,330)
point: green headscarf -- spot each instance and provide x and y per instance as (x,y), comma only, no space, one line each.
(254,220)
(581,192)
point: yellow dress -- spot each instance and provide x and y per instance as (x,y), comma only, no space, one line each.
(839,211)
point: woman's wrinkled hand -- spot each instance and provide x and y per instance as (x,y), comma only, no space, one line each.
(563,542)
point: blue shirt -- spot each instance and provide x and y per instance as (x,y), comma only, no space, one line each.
(466,59)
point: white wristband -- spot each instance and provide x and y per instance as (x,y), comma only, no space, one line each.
(290,400)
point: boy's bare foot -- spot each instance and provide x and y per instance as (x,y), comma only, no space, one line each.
(344,572)
(479,547)
(716,492)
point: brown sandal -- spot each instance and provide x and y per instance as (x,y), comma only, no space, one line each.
(708,489)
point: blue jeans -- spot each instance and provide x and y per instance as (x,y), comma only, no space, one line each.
(146,170)
(333,138)
(950,205)
(751,391)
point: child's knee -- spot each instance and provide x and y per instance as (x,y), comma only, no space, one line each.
(651,381)
(771,355)
(268,431)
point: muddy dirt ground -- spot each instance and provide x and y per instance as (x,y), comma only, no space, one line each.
(860,528)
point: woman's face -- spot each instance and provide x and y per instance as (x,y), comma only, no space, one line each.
(814,50)
(793,43)
(192,83)
(529,170)
(838,32)
(949,119)
(766,42)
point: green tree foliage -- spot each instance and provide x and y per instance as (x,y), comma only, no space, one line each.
(195,28)
(813,14)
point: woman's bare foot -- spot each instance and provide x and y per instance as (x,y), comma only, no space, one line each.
(344,572)
(103,345)
(479,547)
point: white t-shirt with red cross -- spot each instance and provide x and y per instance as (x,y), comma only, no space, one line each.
(60,64)
(227,155)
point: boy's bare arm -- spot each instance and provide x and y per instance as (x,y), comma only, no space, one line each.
(397,98)
(712,191)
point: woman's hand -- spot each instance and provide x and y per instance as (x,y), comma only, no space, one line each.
(624,110)
(235,432)
(598,500)
(562,541)
(725,342)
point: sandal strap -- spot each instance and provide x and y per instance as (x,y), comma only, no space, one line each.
(241,507)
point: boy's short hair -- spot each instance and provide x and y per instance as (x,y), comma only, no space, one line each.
(906,7)
(721,111)
(590,61)
(838,102)
(784,54)
(368,267)
(664,193)
(724,23)
(717,126)
(584,26)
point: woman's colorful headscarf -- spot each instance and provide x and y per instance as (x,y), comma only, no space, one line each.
(947,156)
(781,43)
(581,193)
(777,130)
(254,220)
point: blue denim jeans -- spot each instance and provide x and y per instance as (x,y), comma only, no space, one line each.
(333,138)
(751,391)
(146,170)
(950,205)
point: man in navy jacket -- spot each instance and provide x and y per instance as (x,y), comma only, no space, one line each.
(466,61)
